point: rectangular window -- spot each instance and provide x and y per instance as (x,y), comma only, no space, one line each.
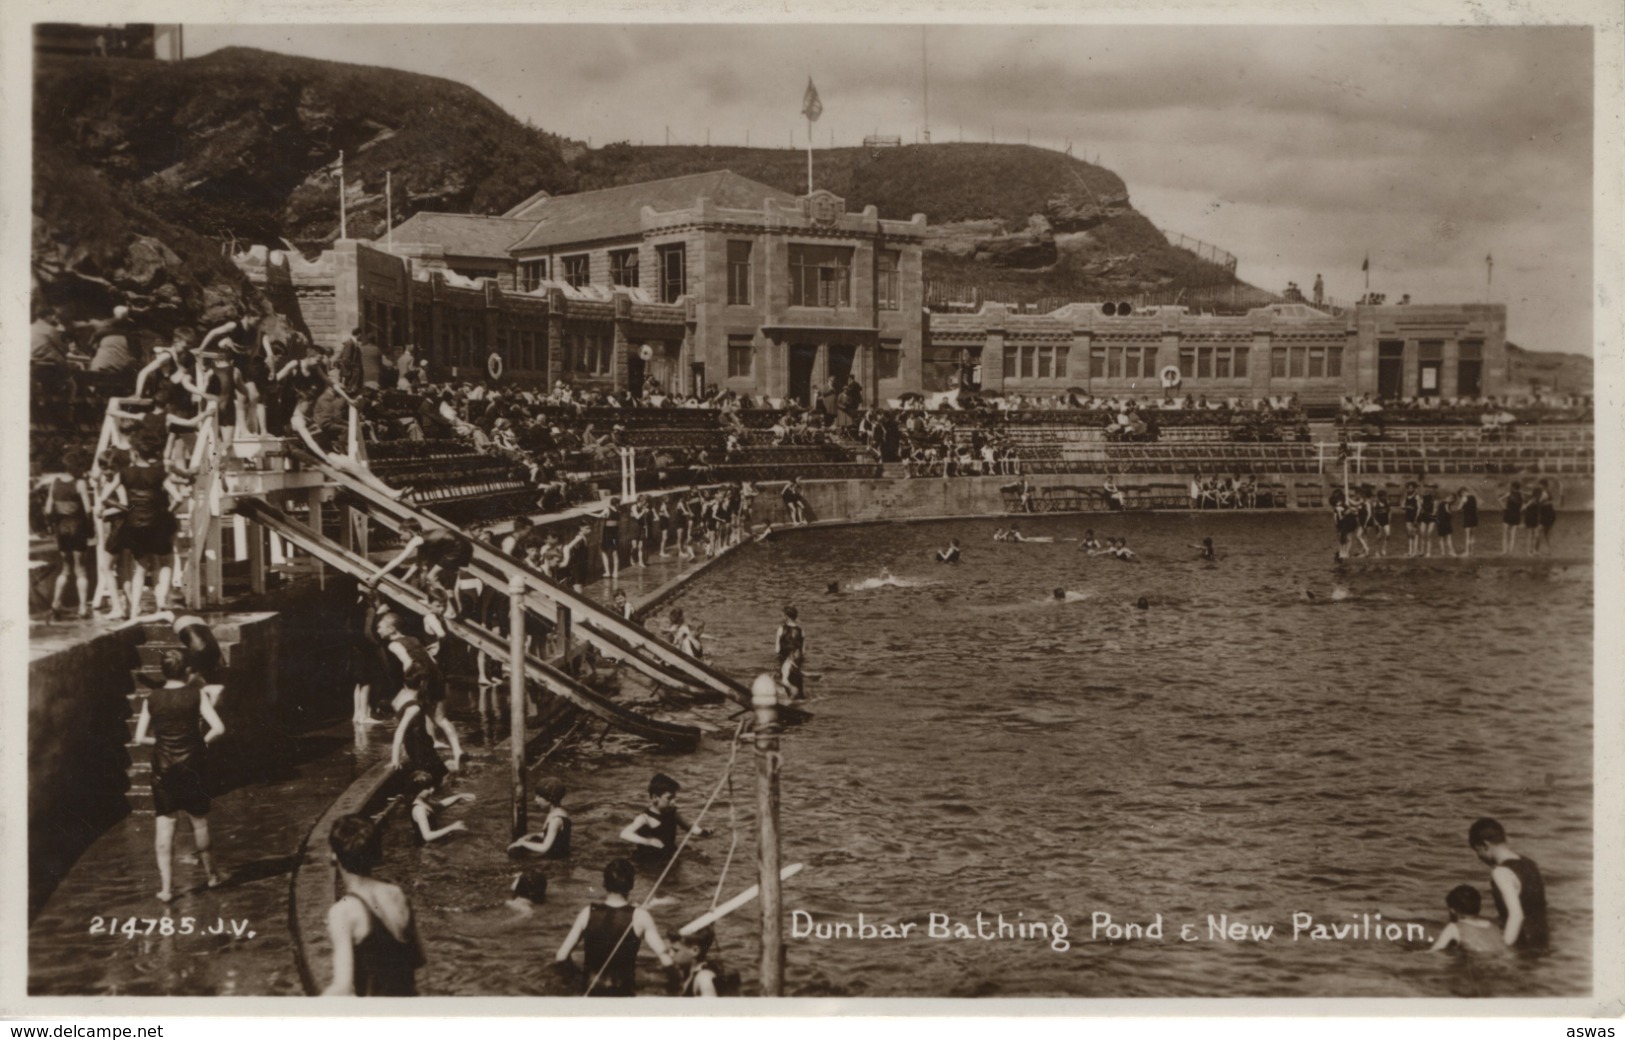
(887,289)
(1430,350)
(1046,362)
(532,273)
(1334,362)
(1060,361)
(1221,363)
(1204,363)
(1026,362)
(1115,359)
(1010,362)
(1296,360)
(820,276)
(577,270)
(1097,363)
(1277,362)
(623,268)
(739,351)
(739,273)
(889,361)
(673,271)
(1317,362)
(1187,363)
(1241,362)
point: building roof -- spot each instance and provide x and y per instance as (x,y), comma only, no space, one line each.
(464,234)
(617,212)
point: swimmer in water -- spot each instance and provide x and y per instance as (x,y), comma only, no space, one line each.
(1060,593)
(832,588)
(1123,552)
(1143,604)
(1468,932)
(999,535)
(529,890)
(950,554)
(1205,550)
(1089,543)
(1014,534)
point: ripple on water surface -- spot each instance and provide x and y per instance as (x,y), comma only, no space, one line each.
(1243,748)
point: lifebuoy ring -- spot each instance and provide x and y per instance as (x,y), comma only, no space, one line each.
(493,365)
(1170,376)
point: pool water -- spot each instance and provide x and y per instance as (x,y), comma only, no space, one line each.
(1273,739)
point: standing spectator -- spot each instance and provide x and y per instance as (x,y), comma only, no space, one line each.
(347,369)
(1320,291)
(113,354)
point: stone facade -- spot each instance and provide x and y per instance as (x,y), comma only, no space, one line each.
(778,298)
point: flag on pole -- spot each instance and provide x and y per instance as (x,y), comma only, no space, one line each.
(1366,266)
(811,107)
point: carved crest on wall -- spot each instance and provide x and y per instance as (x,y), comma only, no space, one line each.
(824,208)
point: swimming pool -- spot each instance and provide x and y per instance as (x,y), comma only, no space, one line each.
(1273,739)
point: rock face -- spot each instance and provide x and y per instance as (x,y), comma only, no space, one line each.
(179,163)
(149,174)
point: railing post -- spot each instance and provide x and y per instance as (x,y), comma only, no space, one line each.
(764,696)
(516,698)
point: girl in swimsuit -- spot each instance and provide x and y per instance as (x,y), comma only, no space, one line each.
(1381,515)
(376,949)
(553,840)
(1425,519)
(1411,504)
(1511,518)
(639,532)
(1531,520)
(1444,525)
(424,807)
(609,546)
(1467,502)
(68,508)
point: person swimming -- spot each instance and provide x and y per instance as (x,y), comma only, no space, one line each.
(1089,543)
(1060,593)
(1143,604)
(832,588)
(1205,551)
(950,554)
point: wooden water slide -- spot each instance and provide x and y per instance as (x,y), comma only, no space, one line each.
(669,734)
(611,634)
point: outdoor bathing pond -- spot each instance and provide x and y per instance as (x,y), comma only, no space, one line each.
(1273,740)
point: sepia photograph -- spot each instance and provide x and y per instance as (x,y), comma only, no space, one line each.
(845,510)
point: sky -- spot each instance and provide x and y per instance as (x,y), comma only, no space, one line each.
(1300,149)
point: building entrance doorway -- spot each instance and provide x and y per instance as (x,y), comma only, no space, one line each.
(840,363)
(1390,369)
(802,358)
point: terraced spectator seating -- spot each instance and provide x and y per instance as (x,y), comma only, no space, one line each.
(455,481)
(1540,449)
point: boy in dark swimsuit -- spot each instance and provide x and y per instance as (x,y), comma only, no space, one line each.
(790,649)
(169,724)
(656,831)
(1516,884)
(613,932)
(950,554)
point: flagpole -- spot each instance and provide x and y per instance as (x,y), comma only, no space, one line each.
(809,157)
(389,211)
(343,227)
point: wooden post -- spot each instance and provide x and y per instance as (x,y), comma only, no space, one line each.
(564,635)
(316,525)
(516,698)
(764,699)
(255,536)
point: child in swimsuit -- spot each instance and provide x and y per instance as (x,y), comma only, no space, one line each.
(658,828)
(1468,932)
(424,806)
(553,840)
